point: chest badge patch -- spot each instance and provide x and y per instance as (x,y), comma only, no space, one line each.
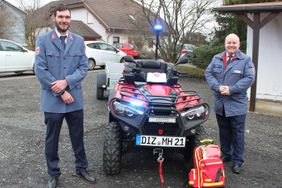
(237,71)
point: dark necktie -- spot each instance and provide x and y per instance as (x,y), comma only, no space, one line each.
(229,60)
(63,40)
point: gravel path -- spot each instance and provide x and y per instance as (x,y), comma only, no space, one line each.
(22,133)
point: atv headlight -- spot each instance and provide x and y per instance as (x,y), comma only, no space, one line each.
(136,103)
(125,110)
(200,112)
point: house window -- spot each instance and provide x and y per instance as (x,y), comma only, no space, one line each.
(115,40)
(89,21)
(132,17)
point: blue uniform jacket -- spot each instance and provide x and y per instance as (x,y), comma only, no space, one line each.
(239,76)
(53,62)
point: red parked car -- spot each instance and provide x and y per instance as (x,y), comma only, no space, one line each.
(187,50)
(128,48)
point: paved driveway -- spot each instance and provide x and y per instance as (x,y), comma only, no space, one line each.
(22,133)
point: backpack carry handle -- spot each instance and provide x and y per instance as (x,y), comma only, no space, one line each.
(206,141)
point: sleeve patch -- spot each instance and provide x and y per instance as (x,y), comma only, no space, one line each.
(254,71)
(37,50)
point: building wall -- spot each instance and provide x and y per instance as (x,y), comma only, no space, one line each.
(85,16)
(13,27)
(269,80)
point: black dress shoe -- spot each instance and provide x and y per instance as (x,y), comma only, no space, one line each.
(88,177)
(52,182)
(237,169)
(225,159)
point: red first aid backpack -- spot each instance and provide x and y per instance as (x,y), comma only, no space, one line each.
(208,168)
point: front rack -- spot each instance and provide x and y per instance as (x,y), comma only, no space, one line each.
(137,94)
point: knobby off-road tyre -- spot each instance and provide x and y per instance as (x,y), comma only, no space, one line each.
(194,142)
(189,149)
(101,80)
(112,149)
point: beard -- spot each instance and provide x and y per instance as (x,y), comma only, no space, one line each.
(62,27)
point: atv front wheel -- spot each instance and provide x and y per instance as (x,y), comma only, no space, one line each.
(189,149)
(112,149)
(194,141)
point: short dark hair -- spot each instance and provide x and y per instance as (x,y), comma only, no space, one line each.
(60,7)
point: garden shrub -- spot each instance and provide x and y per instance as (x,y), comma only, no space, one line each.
(202,56)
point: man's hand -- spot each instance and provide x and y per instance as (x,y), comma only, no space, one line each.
(224,90)
(221,89)
(59,86)
(67,98)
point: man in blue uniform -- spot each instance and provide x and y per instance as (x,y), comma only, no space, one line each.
(60,66)
(229,75)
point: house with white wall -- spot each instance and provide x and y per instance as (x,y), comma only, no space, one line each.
(112,20)
(269,80)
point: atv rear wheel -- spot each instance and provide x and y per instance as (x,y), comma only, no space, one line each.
(101,80)
(112,149)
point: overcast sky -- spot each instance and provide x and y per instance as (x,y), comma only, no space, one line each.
(43,2)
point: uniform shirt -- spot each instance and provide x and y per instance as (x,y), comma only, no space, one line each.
(59,35)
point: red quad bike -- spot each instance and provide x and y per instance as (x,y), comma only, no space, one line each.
(150,109)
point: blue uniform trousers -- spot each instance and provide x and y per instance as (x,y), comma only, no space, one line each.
(54,123)
(231,133)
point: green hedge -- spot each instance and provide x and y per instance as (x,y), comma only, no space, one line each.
(202,56)
(192,72)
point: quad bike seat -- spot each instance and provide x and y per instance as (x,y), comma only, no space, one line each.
(147,66)
(138,71)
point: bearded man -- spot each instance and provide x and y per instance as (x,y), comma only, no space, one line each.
(60,66)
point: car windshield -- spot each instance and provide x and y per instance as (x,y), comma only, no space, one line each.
(118,45)
(93,45)
(133,46)
(190,47)
(8,46)
(108,47)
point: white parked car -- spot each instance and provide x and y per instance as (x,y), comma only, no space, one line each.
(15,58)
(99,53)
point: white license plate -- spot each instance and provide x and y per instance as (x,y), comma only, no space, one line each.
(160,141)
(162,120)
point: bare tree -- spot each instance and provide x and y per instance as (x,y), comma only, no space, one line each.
(2,20)
(178,18)
(32,22)
(29,5)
